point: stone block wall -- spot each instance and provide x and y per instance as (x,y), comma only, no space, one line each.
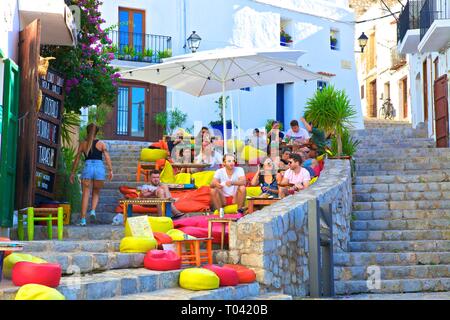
(274,241)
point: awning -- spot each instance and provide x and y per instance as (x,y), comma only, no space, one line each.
(57,22)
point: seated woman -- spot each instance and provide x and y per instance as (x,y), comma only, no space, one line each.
(207,155)
(267,178)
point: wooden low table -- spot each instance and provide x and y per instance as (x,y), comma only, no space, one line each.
(166,205)
(223,222)
(262,202)
(194,255)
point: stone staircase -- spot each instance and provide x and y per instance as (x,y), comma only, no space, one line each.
(400,225)
(93,269)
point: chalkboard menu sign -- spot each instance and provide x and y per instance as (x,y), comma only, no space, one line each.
(48,133)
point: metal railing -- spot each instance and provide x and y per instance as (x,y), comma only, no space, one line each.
(397,59)
(142,47)
(320,241)
(409,18)
(432,10)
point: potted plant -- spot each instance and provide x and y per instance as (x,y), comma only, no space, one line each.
(333,42)
(285,38)
(164,54)
(330,110)
(171,120)
(148,55)
(138,56)
(128,52)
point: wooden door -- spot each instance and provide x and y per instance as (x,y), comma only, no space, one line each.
(372,101)
(132,29)
(29,45)
(404,90)
(157,104)
(425,90)
(441,111)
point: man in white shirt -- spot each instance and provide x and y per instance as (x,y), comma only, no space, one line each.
(228,185)
(297,133)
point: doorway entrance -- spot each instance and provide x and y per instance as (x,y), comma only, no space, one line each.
(404,96)
(372,99)
(441,111)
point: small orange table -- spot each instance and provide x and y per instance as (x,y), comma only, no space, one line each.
(194,255)
(262,202)
(223,222)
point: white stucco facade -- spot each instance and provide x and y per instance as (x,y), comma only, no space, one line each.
(9,29)
(256,23)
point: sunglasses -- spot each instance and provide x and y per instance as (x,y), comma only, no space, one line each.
(229,161)
(268,163)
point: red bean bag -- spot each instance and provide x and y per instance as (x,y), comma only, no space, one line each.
(317,171)
(162,260)
(227,276)
(194,201)
(245,274)
(46,274)
(138,209)
(162,238)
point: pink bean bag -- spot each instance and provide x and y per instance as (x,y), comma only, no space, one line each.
(227,276)
(245,274)
(46,274)
(162,260)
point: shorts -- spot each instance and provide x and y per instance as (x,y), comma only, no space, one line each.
(93,170)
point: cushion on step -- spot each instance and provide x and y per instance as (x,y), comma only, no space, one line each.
(137,244)
(46,274)
(162,260)
(162,238)
(38,292)
(158,224)
(245,274)
(13,258)
(227,276)
(198,279)
(151,155)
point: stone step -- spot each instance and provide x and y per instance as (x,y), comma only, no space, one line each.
(402,153)
(392,272)
(88,262)
(442,176)
(350,259)
(270,296)
(392,172)
(401,224)
(238,292)
(404,215)
(394,286)
(402,196)
(72,246)
(108,284)
(444,295)
(398,246)
(401,187)
(71,232)
(401,205)
(399,235)
(412,159)
(401,166)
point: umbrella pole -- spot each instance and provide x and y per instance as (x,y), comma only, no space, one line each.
(224,119)
(239,115)
(232,124)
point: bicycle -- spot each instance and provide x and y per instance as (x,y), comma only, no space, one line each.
(387,110)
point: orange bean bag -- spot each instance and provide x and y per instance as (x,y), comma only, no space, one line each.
(162,260)
(162,238)
(46,274)
(227,276)
(245,274)
(194,201)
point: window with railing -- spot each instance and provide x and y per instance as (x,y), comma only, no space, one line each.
(433,10)
(409,18)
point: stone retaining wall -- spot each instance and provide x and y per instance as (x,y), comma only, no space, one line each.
(274,241)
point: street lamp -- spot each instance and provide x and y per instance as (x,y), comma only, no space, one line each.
(194,41)
(362,40)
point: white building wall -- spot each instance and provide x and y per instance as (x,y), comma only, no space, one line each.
(9,29)
(255,23)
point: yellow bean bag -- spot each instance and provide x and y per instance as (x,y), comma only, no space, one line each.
(183,178)
(203,178)
(38,292)
(13,258)
(252,154)
(158,224)
(176,234)
(320,158)
(253,191)
(167,175)
(238,143)
(137,244)
(198,279)
(231,209)
(312,180)
(151,155)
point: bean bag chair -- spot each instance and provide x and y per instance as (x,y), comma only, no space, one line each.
(137,244)
(158,224)
(238,143)
(167,175)
(162,260)
(176,234)
(46,274)
(161,144)
(312,181)
(183,178)
(253,191)
(317,170)
(229,209)
(151,155)
(6,253)
(162,238)
(245,274)
(321,157)
(138,209)
(198,279)
(13,258)
(38,292)
(227,276)
(203,178)
(251,154)
(198,221)
(194,201)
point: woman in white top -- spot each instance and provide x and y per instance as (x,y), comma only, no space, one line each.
(207,155)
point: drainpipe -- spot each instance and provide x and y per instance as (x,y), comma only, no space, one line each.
(184,26)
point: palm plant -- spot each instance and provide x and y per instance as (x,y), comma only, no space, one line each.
(330,110)
(349,145)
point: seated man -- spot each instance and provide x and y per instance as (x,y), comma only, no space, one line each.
(296,176)
(228,182)
(296,133)
(157,190)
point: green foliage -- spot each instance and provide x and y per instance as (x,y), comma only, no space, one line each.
(269,124)
(99,116)
(220,107)
(286,36)
(70,121)
(349,145)
(165,54)
(148,53)
(171,120)
(330,110)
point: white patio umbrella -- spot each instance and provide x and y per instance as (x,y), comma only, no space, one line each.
(214,71)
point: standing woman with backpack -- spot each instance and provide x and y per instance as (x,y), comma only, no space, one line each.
(93,174)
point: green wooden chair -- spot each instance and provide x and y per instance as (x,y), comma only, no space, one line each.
(40,214)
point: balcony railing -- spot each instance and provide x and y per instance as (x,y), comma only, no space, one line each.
(432,10)
(140,47)
(397,59)
(409,18)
